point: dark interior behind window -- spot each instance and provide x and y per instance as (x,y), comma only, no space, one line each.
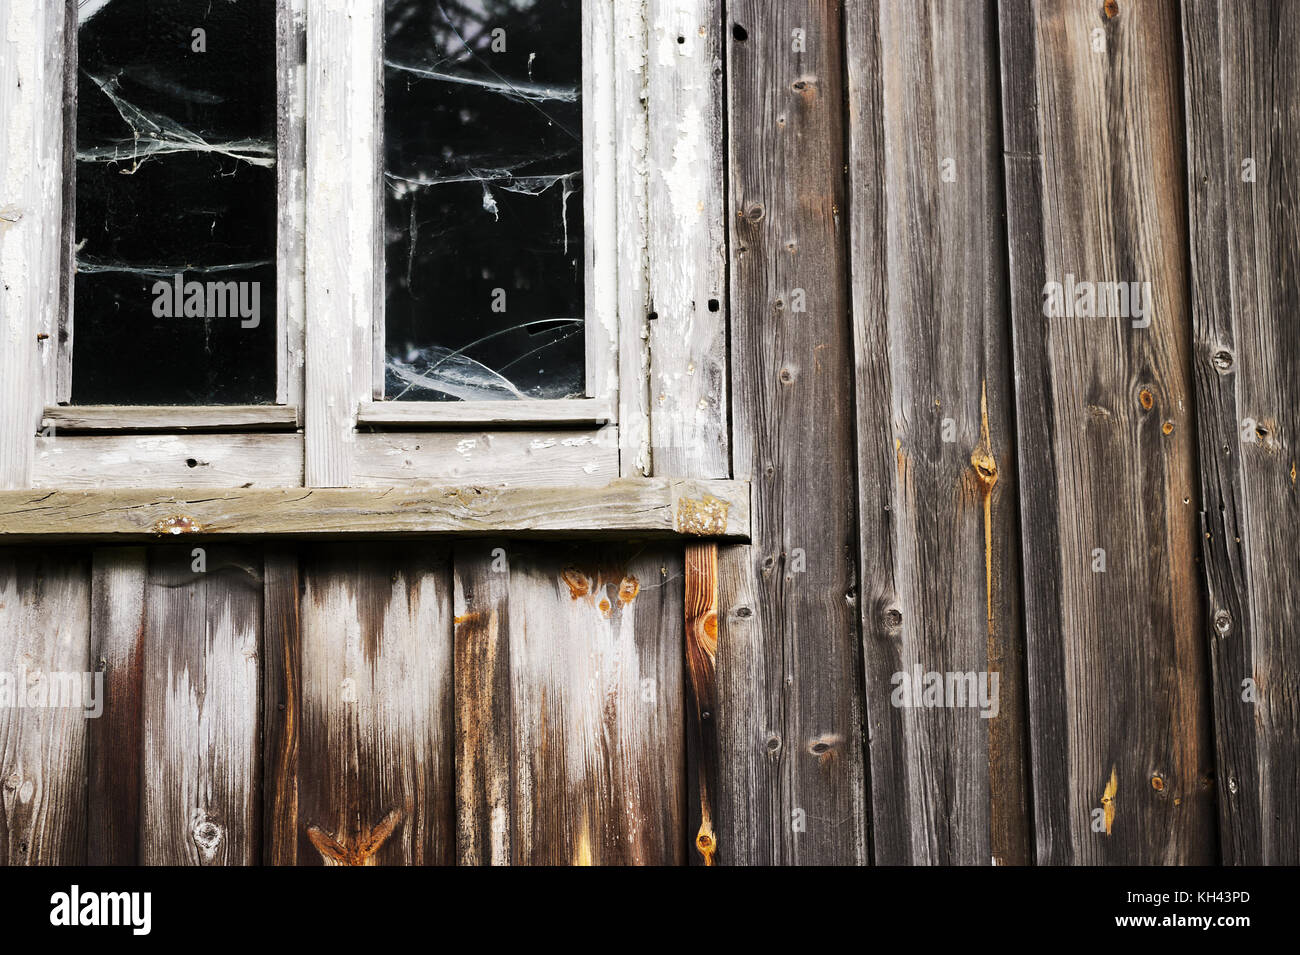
(483,199)
(175,176)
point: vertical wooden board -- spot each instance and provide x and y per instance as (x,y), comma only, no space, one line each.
(117,631)
(375,783)
(201,781)
(281,705)
(688,332)
(1093,154)
(31,216)
(702,762)
(1242,82)
(594,739)
(485,766)
(937,498)
(44,636)
(789,678)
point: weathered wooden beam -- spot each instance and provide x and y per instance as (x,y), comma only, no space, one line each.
(119,585)
(45,640)
(375,762)
(569,705)
(170,418)
(32,69)
(200,763)
(653,507)
(687,240)
(282,705)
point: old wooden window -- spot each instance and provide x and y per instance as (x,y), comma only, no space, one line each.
(499,193)
(444,209)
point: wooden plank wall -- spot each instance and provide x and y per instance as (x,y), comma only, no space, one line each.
(1100,511)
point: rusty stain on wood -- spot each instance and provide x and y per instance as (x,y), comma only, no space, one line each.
(986,474)
(360,847)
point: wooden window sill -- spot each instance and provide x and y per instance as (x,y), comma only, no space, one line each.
(578,412)
(170,418)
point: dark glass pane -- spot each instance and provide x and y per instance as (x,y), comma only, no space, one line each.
(175,176)
(483,199)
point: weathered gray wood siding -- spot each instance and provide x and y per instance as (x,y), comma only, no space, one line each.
(1242,93)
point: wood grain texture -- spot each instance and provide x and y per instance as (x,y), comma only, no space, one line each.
(201,765)
(291,190)
(1119,727)
(168,460)
(1241,66)
(655,507)
(119,577)
(44,634)
(343,228)
(689,428)
(936,478)
(789,678)
(485,767)
(703,758)
(580,758)
(31,220)
(375,763)
(281,704)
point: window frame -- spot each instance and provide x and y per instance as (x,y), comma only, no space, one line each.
(327,429)
(290,123)
(599,197)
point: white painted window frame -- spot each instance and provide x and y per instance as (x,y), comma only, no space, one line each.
(352,436)
(330,292)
